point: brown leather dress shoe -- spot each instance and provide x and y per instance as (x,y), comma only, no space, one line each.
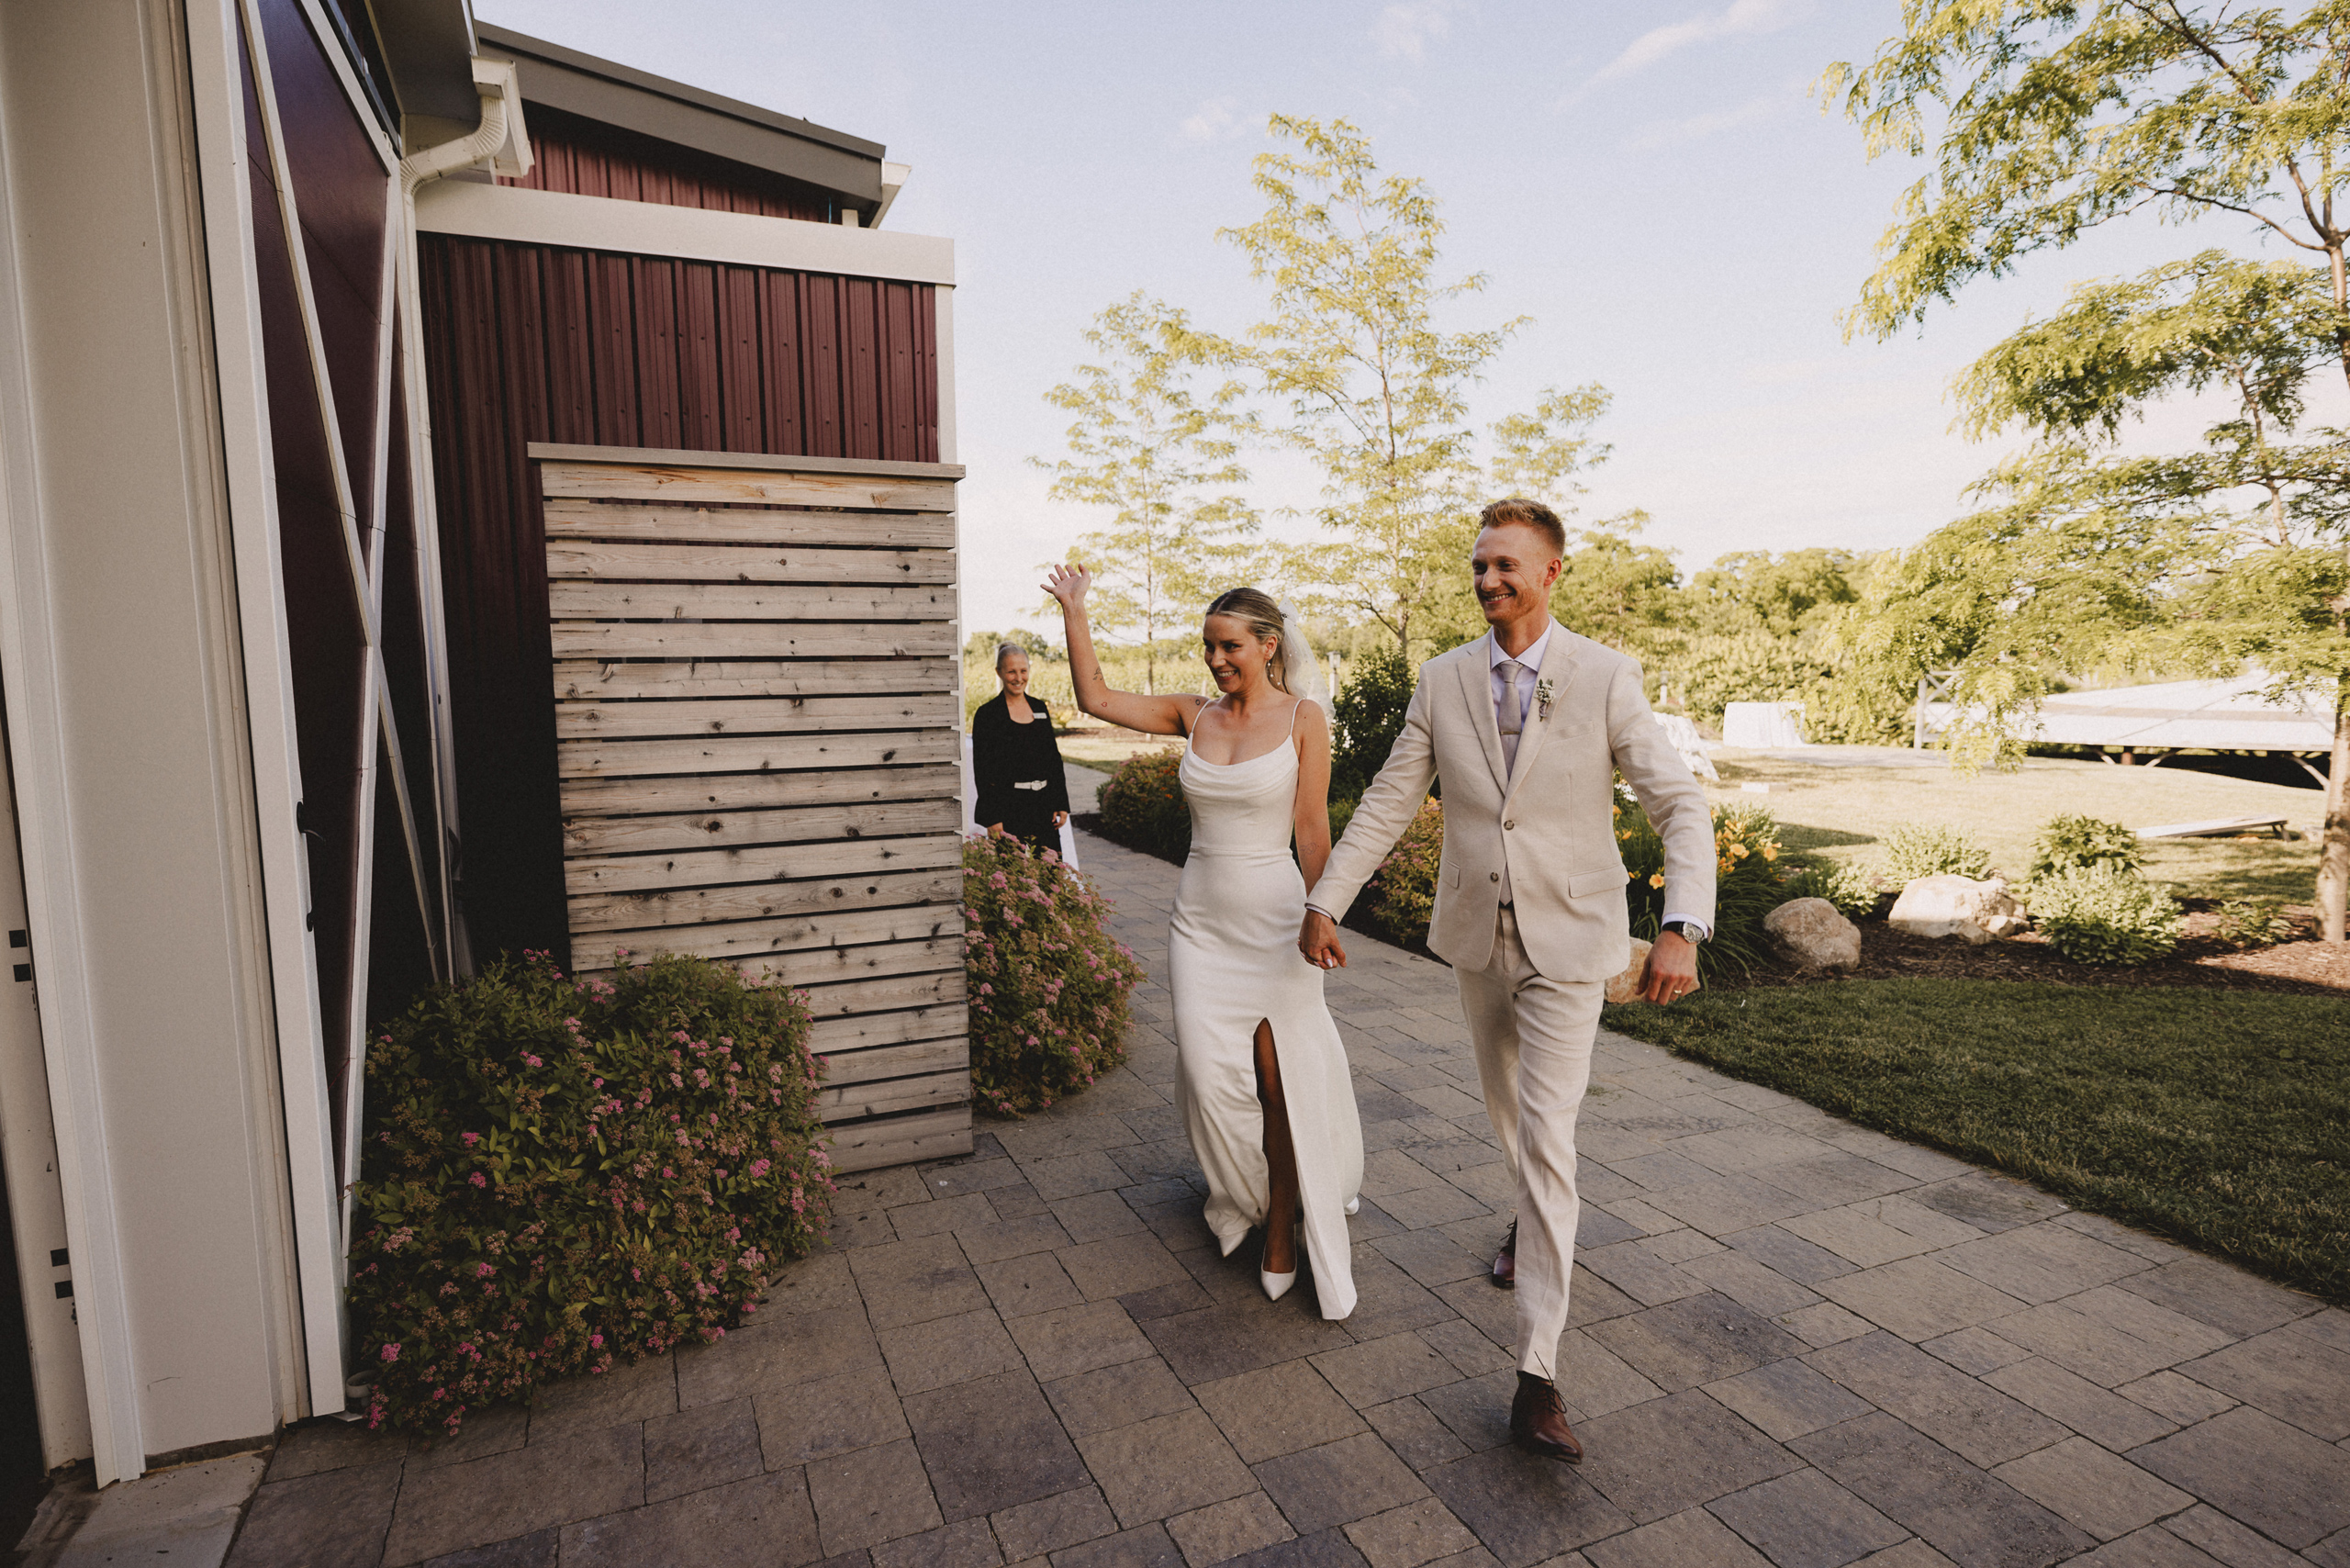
(1504,1272)
(1537,1421)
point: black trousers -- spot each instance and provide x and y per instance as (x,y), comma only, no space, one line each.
(1034,825)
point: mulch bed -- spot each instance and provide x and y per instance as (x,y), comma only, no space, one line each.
(2309,968)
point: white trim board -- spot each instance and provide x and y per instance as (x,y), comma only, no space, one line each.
(480,211)
(663,457)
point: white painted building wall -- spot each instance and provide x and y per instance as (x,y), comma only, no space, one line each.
(120,658)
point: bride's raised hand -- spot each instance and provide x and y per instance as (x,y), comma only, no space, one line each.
(1067,583)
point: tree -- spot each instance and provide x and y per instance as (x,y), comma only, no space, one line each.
(2054,117)
(1616,590)
(1158,459)
(1375,392)
(1540,456)
(1783,595)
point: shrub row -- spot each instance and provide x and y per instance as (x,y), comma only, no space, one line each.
(559,1175)
(1049,984)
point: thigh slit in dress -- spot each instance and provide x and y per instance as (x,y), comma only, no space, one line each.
(1233,963)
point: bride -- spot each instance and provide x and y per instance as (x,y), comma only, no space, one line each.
(1263,1078)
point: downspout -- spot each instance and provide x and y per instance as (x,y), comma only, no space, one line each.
(501,140)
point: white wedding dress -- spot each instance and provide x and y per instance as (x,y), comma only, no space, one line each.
(1232,963)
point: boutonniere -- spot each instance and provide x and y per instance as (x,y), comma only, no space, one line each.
(1542,695)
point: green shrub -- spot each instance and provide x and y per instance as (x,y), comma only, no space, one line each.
(1143,808)
(2069,841)
(2254,922)
(1854,889)
(1747,666)
(1049,984)
(1400,898)
(1366,717)
(1746,879)
(2103,914)
(1932,849)
(562,1174)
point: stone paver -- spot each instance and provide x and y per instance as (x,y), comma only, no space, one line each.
(1795,1343)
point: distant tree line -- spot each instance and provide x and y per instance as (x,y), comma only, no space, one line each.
(2038,121)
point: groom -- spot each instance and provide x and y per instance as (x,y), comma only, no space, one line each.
(1526,727)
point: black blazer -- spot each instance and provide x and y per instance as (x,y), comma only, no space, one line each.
(1004,752)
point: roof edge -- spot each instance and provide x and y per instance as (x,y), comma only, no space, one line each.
(645,81)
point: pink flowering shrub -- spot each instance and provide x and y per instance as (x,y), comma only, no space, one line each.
(1048,983)
(560,1175)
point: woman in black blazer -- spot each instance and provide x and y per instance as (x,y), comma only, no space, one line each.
(1015,763)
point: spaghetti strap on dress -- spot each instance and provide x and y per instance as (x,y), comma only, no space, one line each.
(1233,963)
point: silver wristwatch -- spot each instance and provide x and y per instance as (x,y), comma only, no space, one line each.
(1688,931)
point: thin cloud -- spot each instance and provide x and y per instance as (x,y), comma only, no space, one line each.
(1740,18)
(1405,30)
(1218,119)
(1697,128)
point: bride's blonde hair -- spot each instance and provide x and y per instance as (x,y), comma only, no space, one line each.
(1255,609)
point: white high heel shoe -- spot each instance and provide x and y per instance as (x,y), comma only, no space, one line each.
(1277,1286)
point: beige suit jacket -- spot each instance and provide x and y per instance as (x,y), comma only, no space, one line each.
(1550,822)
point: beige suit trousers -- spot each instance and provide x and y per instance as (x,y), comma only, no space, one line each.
(1533,1037)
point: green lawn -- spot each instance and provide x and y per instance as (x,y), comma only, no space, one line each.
(1839,812)
(2220,1119)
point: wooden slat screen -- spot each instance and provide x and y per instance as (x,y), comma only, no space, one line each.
(756,732)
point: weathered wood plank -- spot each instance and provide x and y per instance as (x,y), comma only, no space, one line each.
(753,754)
(587,876)
(728,830)
(585,679)
(632,561)
(897,1062)
(834,965)
(695,640)
(830,1034)
(868,995)
(847,1101)
(756,791)
(758,900)
(902,1140)
(750,526)
(706,487)
(748,602)
(754,945)
(755,715)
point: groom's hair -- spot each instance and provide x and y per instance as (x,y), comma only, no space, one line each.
(1523,513)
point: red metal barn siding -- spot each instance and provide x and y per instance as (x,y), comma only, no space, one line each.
(532,343)
(583,157)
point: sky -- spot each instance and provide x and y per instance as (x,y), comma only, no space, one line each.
(1652,184)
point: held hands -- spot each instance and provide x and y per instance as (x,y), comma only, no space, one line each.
(1317,938)
(1672,971)
(1067,583)
(1060,819)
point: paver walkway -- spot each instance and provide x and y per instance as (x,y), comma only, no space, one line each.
(1794,1342)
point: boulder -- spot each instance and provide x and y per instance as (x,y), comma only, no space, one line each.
(1952,905)
(1813,936)
(1626,986)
